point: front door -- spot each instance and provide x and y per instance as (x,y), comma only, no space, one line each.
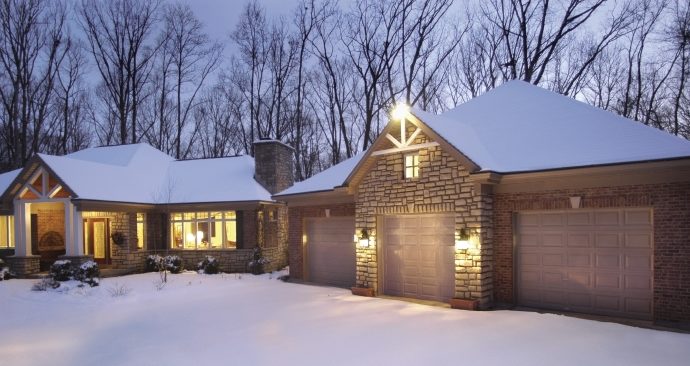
(97,239)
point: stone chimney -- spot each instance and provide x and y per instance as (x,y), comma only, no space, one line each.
(274,165)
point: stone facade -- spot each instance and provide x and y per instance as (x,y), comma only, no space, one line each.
(671,207)
(23,266)
(297,215)
(274,165)
(443,186)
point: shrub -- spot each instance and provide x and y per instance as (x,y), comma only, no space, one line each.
(5,273)
(88,273)
(154,263)
(174,264)
(209,265)
(61,270)
(119,290)
(44,284)
(256,265)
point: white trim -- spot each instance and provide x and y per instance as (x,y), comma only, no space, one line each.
(404,149)
(393,140)
(413,136)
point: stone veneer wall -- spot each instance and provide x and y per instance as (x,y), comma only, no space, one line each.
(274,165)
(443,186)
(296,227)
(671,209)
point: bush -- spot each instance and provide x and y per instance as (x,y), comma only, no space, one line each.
(209,265)
(174,264)
(88,273)
(256,265)
(44,284)
(5,273)
(61,270)
(154,263)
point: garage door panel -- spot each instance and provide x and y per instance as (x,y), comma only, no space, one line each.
(638,240)
(579,218)
(330,250)
(607,240)
(605,266)
(426,268)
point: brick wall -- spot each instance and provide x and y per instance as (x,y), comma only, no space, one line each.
(671,207)
(51,220)
(443,186)
(296,227)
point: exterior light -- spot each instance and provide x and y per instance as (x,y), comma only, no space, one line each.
(364,238)
(400,111)
(462,240)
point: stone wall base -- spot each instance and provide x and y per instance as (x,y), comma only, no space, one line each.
(23,266)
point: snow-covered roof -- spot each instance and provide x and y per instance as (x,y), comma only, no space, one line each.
(138,173)
(7,178)
(520,127)
(326,180)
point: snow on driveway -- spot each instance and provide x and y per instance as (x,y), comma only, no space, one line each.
(248,320)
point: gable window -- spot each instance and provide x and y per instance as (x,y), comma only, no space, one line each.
(203,230)
(6,232)
(412,165)
(141,230)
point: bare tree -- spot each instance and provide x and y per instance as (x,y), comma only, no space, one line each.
(119,35)
(193,57)
(32,47)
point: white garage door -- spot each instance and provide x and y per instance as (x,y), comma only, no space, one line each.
(596,261)
(419,257)
(331,251)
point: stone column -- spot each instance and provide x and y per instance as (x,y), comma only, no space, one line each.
(74,235)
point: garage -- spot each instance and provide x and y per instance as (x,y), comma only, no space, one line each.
(331,251)
(589,261)
(418,256)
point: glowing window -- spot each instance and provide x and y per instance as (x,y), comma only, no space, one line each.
(6,232)
(203,230)
(412,165)
(141,230)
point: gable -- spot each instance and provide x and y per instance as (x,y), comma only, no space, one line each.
(37,182)
(416,136)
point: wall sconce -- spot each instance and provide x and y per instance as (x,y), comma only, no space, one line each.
(364,238)
(462,239)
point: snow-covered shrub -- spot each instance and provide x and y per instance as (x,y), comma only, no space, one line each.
(154,263)
(174,264)
(256,265)
(44,284)
(88,273)
(209,265)
(61,270)
(5,273)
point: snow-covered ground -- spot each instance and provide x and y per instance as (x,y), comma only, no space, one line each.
(248,320)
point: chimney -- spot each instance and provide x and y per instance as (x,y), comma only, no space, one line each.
(274,165)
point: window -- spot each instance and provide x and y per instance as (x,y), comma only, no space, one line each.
(412,165)
(6,232)
(141,230)
(203,230)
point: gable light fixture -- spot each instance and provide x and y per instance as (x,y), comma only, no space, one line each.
(462,239)
(400,111)
(364,238)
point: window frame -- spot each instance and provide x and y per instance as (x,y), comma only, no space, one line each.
(414,166)
(184,219)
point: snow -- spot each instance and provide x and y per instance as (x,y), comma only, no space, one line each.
(138,173)
(258,320)
(7,178)
(326,180)
(521,127)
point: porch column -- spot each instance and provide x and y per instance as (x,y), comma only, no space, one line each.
(74,231)
(22,229)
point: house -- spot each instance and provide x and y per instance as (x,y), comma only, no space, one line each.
(519,196)
(118,204)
